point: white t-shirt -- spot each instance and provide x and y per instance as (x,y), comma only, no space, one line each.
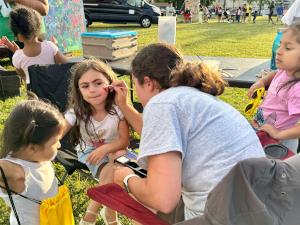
(293,14)
(170,11)
(40,183)
(101,132)
(22,61)
(211,136)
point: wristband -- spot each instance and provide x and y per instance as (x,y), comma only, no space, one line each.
(125,181)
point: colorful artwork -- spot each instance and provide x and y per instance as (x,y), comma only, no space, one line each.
(65,22)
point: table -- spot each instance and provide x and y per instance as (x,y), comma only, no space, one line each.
(239,72)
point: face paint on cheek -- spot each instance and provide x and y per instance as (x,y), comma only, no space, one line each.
(109,88)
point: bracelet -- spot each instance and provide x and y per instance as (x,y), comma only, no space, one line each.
(125,181)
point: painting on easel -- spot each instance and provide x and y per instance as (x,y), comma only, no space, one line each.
(65,22)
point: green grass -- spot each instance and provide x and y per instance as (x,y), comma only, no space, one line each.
(212,39)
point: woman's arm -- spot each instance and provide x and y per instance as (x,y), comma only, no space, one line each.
(291,133)
(133,117)
(119,144)
(42,6)
(161,189)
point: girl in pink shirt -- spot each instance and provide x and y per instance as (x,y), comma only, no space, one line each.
(25,23)
(280,111)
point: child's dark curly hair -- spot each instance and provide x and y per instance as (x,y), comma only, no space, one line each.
(25,21)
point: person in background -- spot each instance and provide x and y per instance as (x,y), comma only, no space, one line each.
(254,12)
(280,110)
(170,10)
(41,6)
(271,12)
(238,14)
(205,14)
(279,11)
(26,26)
(189,138)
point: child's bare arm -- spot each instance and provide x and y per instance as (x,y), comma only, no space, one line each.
(11,45)
(60,58)
(119,144)
(291,133)
(262,82)
(14,174)
(41,6)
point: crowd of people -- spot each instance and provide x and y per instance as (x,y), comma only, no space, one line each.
(189,138)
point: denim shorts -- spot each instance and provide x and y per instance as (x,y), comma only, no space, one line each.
(83,155)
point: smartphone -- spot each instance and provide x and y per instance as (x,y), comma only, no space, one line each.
(132,165)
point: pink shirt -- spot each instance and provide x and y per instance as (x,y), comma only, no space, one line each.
(285,104)
(22,61)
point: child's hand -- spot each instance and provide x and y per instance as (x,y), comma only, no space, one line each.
(115,155)
(271,130)
(96,156)
(256,85)
(11,45)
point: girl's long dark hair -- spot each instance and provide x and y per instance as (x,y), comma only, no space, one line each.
(164,64)
(83,110)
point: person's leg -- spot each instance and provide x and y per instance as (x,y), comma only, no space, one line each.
(105,177)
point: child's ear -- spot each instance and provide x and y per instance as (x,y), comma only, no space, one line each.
(33,148)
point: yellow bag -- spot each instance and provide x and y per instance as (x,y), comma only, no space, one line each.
(58,209)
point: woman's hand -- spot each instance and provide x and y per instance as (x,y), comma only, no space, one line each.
(121,90)
(96,156)
(120,174)
(11,45)
(271,130)
(256,85)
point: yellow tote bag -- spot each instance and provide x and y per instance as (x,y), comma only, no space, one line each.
(58,209)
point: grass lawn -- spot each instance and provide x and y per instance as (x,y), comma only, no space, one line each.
(212,39)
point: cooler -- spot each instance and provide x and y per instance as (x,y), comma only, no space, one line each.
(109,44)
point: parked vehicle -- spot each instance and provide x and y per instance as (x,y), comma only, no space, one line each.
(121,11)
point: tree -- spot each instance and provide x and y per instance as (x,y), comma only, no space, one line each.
(206,2)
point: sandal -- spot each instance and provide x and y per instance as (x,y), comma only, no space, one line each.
(83,222)
(102,214)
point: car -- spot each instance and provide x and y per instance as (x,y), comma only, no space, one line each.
(121,11)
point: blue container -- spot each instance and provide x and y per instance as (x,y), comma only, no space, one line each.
(109,34)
